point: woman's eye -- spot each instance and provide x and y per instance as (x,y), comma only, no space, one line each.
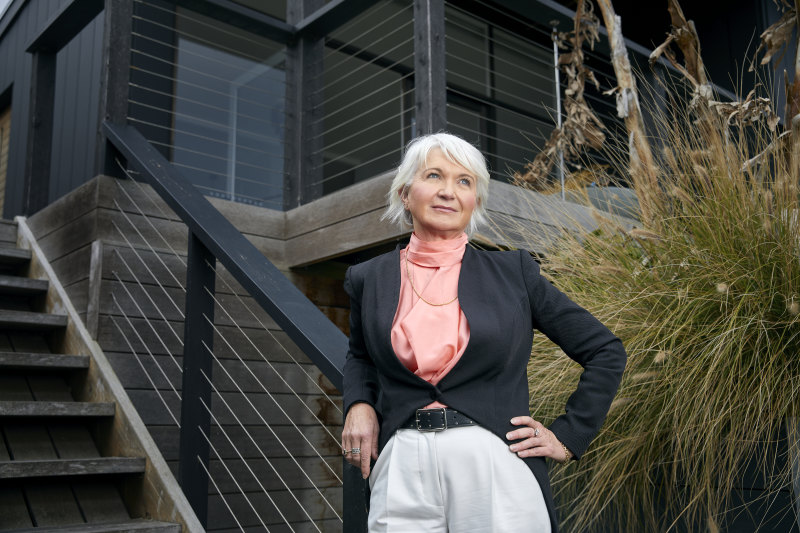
(433,175)
(465,181)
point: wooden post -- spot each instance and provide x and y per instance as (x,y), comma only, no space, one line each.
(304,96)
(793,88)
(40,131)
(198,339)
(642,170)
(430,86)
(114,77)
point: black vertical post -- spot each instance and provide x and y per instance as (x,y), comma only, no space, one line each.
(354,500)
(198,336)
(430,85)
(40,131)
(304,144)
(113,78)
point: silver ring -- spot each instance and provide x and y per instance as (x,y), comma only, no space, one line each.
(536,432)
(355,451)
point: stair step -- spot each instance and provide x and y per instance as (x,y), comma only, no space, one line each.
(27,320)
(19,285)
(136,525)
(57,409)
(8,231)
(43,361)
(71,467)
(14,256)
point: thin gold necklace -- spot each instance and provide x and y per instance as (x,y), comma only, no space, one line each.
(411,281)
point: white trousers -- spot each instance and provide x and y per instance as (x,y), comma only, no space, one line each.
(454,481)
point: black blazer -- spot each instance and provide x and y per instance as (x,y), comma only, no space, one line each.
(503,297)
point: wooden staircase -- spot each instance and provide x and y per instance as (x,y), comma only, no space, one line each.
(53,475)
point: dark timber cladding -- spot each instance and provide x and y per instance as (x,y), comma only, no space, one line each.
(61,28)
(304,95)
(430,89)
(198,336)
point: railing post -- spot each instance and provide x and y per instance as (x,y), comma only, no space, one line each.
(114,79)
(198,336)
(304,144)
(430,84)
(354,499)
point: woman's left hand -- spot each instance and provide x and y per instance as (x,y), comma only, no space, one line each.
(538,441)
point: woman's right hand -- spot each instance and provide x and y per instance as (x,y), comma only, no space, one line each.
(360,431)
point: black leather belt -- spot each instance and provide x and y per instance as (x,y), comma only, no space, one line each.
(437,419)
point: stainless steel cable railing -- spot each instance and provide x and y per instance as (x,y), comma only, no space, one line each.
(366,95)
(273,459)
(212,98)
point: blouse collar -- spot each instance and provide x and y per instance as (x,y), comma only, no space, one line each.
(436,253)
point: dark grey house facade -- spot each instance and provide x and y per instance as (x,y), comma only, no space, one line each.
(279,121)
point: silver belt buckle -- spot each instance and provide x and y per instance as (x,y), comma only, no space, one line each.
(444,419)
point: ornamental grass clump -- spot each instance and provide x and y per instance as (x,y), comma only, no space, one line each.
(706,298)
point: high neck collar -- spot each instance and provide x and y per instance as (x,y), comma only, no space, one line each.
(436,253)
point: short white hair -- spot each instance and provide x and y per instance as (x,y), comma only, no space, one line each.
(458,151)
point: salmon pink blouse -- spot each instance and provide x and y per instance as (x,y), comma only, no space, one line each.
(430,339)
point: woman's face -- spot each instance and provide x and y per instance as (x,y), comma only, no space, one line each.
(441,198)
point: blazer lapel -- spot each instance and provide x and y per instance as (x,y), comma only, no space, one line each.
(465,290)
(387,304)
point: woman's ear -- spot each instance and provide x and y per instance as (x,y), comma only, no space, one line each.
(403,194)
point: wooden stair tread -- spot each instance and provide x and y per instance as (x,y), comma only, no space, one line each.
(42,360)
(71,467)
(21,285)
(57,409)
(31,320)
(135,525)
(14,256)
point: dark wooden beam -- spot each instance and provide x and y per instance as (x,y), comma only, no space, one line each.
(430,86)
(30,320)
(304,146)
(114,79)
(332,15)
(198,361)
(57,409)
(71,467)
(242,17)
(65,25)
(51,361)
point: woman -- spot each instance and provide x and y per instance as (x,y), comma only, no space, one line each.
(435,383)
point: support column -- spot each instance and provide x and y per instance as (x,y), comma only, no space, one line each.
(430,86)
(304,144)
(198,338)
(114,79)
(40,131)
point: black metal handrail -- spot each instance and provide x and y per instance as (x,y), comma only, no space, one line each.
(213,237)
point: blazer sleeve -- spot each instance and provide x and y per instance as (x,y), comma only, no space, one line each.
(360,377)
(588,342)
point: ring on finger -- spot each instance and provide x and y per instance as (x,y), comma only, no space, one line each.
(355,451)
(536,432)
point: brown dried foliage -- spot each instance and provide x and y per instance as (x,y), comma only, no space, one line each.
(777,38)
(581,127)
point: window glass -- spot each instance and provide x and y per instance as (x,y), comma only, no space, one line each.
(228,117)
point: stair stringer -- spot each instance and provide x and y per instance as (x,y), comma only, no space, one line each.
(160,497)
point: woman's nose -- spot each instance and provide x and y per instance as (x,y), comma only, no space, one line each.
(446,190)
